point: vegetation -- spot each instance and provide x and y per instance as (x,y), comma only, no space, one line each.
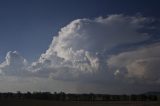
(77,97)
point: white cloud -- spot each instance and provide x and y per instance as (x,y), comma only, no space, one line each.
(82,46)
(14,64)
(141,64)
(82,52)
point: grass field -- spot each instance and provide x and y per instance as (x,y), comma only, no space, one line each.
(73,103)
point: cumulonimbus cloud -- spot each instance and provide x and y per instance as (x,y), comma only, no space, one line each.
(82,50)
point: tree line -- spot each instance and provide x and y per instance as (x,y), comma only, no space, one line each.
(61,96)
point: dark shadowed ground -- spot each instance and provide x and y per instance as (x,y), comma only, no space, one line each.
(74,103)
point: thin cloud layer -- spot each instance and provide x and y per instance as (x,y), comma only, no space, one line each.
(86,51)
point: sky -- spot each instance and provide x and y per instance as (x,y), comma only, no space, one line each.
(99,46)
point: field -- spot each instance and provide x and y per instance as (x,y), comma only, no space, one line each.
(73,103)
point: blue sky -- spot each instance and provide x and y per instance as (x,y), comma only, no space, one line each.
(108,46)
(29,25)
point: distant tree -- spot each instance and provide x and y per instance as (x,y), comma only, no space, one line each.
(133,97)
(152,98)
(19,95)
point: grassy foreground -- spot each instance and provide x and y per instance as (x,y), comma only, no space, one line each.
(75,103)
